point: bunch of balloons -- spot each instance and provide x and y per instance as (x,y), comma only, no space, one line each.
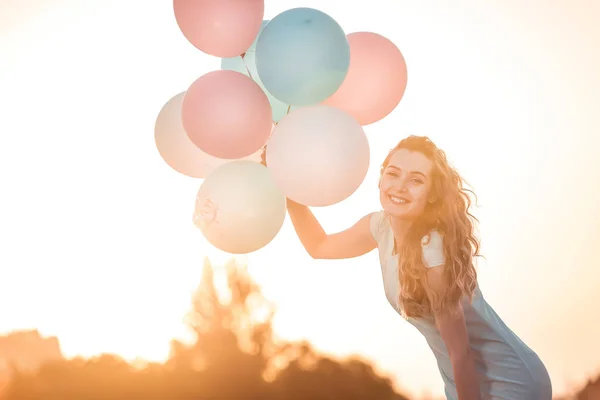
(296,84)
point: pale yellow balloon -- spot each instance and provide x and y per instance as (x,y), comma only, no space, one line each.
(176,148)
(239,208)
(319,155)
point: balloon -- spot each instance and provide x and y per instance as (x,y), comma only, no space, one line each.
(302,56)
(239,208)
(376,78)
(176,148)
(319,155)
(226,114)
(222,28)
(247,66)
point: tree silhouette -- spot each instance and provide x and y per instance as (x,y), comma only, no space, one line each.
(591,391)
(235,356)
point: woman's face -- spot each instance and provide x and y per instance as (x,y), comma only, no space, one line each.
(405,186)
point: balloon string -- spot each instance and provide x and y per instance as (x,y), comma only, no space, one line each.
(263,154)
(246,66)
(243,56)
(264,148)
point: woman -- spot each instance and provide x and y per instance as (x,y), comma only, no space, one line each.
(426,244)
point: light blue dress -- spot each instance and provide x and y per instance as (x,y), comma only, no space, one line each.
(508,369)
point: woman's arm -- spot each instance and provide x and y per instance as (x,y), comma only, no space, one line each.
(453,330)
(352,242)
(451,321)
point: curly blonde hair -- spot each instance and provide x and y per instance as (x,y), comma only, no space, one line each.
(450,214)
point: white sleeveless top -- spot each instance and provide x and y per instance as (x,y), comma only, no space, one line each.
(381,229)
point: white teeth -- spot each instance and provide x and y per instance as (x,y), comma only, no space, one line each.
(397,200)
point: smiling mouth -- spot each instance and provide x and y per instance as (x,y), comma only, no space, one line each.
(399,200)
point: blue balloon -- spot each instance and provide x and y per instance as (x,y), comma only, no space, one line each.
(302,56)
(247,66)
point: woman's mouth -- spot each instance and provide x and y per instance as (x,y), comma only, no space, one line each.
(399,200)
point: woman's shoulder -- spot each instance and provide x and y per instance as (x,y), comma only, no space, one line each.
(434,237)
(433,248)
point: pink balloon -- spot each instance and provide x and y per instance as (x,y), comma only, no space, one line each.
(226,114)
(176,148)
(376,79)
(222,28)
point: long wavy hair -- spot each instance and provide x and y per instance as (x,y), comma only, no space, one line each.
(449,213)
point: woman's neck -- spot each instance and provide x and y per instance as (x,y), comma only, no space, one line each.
(400,228)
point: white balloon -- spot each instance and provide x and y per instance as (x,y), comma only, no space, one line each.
(177,150)
(319,155)
(239,208)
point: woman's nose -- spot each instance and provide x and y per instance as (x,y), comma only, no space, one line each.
(402,185)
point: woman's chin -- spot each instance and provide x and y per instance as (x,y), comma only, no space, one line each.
(399,213)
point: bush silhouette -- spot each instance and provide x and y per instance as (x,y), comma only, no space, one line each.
(235,356)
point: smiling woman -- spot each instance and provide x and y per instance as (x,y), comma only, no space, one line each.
(426,243)
(409,200)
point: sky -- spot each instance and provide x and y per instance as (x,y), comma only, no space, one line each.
(98,247)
